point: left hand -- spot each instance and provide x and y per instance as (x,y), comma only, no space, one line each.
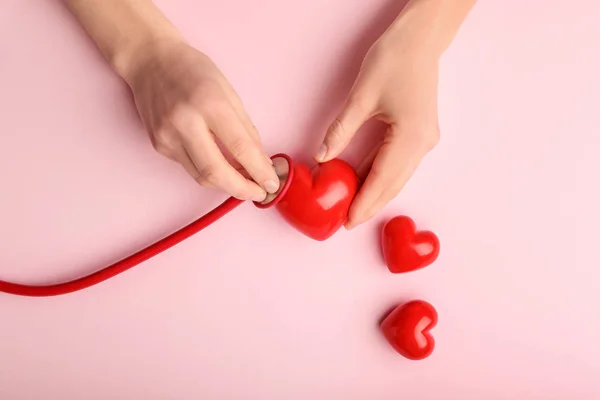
(397,84)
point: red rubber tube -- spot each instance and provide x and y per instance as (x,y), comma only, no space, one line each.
(126,263)
(147,253)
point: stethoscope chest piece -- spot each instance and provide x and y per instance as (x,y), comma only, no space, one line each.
(284,167)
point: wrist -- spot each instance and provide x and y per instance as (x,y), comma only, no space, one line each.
(124,30)
(426,28)
(129,56)
(147,30)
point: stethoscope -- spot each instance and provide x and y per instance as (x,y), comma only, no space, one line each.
(283,165)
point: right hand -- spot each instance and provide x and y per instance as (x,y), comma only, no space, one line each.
(186,104)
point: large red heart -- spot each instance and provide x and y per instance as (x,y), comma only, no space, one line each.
(406,249)
(317,200)
(407,328)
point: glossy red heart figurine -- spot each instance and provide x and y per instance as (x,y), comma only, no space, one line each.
(406,249)
(317,200)
(407,328)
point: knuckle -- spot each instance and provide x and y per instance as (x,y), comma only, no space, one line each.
(214,109)
(203,182)
(162,149)
(336,132)
(239,147)
(164,143)
(207,95)
(431,138)
(180,115)
(208,175)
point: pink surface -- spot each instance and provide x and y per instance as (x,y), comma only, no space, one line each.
(512,191)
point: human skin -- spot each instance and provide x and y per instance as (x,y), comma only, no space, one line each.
(191,112)
(398,85)
(187,106)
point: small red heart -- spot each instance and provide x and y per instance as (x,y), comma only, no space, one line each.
(406,249)
(317,200)
(407,328)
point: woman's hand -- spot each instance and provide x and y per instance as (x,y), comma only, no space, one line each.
(397,84)
(187,105)
(188,108)
(400,90)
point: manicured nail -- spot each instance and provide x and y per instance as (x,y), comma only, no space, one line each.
(320,156)
(271,186)
(260,197)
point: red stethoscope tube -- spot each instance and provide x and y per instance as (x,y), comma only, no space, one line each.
(150,251)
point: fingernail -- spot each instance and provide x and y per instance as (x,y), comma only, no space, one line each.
(260,197)
(271,186)
(321,153)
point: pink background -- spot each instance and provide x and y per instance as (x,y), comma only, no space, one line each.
(512,191)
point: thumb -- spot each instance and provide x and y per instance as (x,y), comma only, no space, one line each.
(342,130)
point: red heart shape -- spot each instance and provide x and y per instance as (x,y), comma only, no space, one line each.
(407,328)
(405,249)
(317,200)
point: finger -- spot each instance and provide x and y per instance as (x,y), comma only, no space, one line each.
(213,169)
(343,129)
(169,145)
(235,137)
(232,161)
(365,165)
(250,127)
(240,110)
(392,167)
(181,156)
(187,163)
